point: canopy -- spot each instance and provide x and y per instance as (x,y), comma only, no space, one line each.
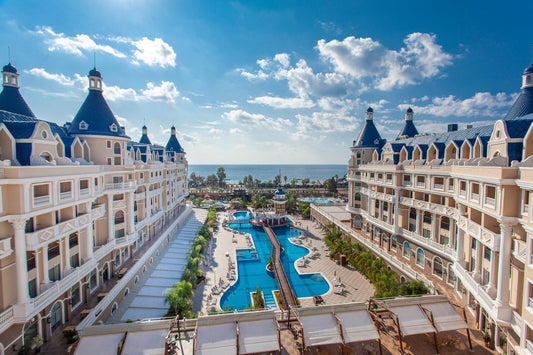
(216,339)
(445,317)
(357,326)
(412,320)
(99,344)
(145,342)
(320,329)
(258,336)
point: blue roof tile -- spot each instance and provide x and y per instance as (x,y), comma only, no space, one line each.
(522,106)
(12,101)
(408,129)
(173,145)
(369,137)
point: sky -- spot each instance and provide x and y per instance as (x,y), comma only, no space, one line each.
(270,82)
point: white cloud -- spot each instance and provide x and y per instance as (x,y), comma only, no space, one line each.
(263,63)
(235,131)
(283,59)
(303,82)
(216,132)
(59,78)
(255,120)
(261,75)
(421,58)
(154,52)
(229,105)
(115,93)
(282,103)
(481,104)
(123,121)
(165,92)
(74,45)
(326,122)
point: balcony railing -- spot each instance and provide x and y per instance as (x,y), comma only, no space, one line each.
(421,184)
(525,209)
(41,200)
(478,291)
(462,193)
(529,346)
(120,185)
(407,183)
(491,239)
(65,195)
(6,318)
(519,250)
(53,233)
(5,247)
(84,192)
(474,197)
(439,186)
(490,201)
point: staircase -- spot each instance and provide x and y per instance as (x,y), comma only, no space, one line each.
(270,302)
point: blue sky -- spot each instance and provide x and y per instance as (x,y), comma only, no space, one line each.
(271,81)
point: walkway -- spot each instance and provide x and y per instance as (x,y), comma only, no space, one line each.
(146,299)
(287,294)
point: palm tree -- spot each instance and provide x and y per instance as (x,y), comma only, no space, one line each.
(178,299)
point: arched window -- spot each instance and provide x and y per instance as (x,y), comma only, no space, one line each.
(357,221)
(46,156)
(437,266)
(56,316)
(83,126)
(406,250)
(119,217)
(393,242)
(420,257)
(117,148)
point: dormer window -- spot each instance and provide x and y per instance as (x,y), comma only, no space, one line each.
(528,79)
(44,135)
(6,79)
(498,134)
(84,126)
(99,84)
(113,128)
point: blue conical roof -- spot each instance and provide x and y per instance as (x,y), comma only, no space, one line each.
(12,101)
(523,104)
(173,145)
(408,130)
(369,137)
(144,139)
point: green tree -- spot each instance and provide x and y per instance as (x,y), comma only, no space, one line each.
(178,299)
(277,180)
(212,180)
(285,178)
(332,185)
(192,180)
(221,175)
(305,182)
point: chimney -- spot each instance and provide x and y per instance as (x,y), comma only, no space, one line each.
(452,127)
(468,126)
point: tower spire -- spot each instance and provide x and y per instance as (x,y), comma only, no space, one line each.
(9,53)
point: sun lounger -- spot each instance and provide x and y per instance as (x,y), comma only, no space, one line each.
(339,290)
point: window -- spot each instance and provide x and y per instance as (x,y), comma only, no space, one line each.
(126,292)
(32,288)
(426,233)
(54,274)
(406,250)
(53,252)
(393,242)
(83,126)
(420,257)
(44,134)
(75,260)
(108,144)
(113,128)
(451,275)
(31,263)
(56,316)
(525,202)
(437,266)
(93,280)
(75,295)
(114,308)
(73,241)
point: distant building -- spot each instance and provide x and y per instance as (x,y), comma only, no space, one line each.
(454,209)
(77,202)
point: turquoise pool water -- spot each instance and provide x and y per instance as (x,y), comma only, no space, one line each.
(252,268)
(316,200)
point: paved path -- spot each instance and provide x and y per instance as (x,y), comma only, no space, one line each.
(146,299)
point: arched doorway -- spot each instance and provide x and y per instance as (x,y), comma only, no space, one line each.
(105,273)
(56,317)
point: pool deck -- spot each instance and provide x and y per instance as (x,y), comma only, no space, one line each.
(223,245)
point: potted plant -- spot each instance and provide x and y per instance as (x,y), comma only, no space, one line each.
(37,342)
(486,339)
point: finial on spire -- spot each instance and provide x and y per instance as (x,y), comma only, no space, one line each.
(94,59)
(9,53)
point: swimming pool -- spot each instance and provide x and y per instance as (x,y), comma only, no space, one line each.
(316,200)
(252,268)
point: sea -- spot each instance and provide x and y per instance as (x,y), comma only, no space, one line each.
(265,172)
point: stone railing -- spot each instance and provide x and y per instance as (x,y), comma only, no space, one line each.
(6,318)
(50,234)
(430,207)
(477,290)
(126,240)
(120,185)
(519,250)
(5,247)
(485,236)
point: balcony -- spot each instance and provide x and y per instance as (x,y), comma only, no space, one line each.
(84,192)
(41,200)
(53,233)
(139,196)
(126,240)
(428,206)
(485,236)
(6,318)
(438,187)
(428,243)
(478,291)
(97,211)
(462,193)
(490,201)
(5,248)
(120,185)
(421,184)
(529,346)
(519,250)
(407,183)
(474,197)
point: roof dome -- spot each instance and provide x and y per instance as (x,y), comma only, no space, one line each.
(409,110)
(173,145)
(95,72)
(9,68)
(369,109)
(528,70)
(280,192)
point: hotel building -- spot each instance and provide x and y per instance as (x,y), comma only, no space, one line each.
(453,209)
(77,203)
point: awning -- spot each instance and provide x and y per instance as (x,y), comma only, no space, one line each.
(320,329)
(412,320)
(145,343)
(357,326)
(99,344)
(258,336)
(216,339)
(445,316)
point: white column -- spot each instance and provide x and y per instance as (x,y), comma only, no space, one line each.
(491,289)
(131,213)
(504,266)
(61,261)
(418,225)
(46,276)
(110,219)
(67,253)
(396,211)
(88,242)
(435,222)
(460,247)
(21,267)
(148,202)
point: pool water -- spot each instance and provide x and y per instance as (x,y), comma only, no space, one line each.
(316,200)
(252,269)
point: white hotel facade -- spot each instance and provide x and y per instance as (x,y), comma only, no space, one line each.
(453,209)
(77,202)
